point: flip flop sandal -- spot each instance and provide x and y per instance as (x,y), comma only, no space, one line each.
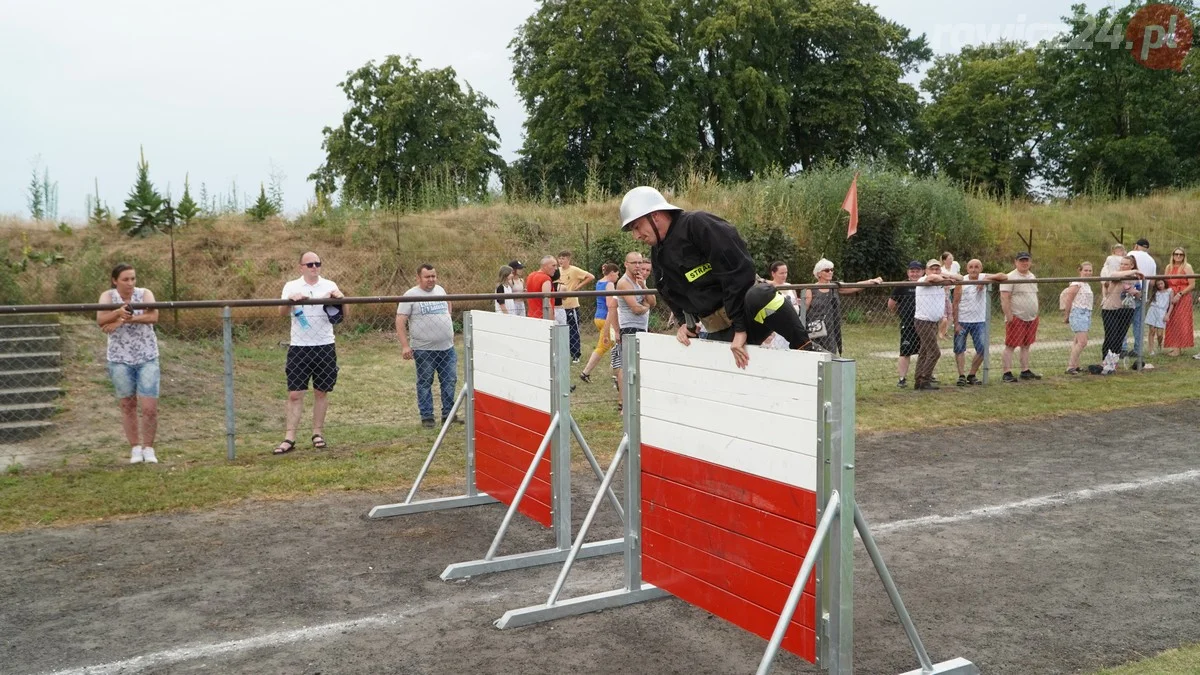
(318,442)
(284,447)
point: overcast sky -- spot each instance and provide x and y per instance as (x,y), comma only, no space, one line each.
(223,90)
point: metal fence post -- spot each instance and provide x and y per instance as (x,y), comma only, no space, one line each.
(227,335)
(987,331)
(1140,361)
(547,309)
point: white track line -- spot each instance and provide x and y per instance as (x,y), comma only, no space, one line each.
(182,654)
(1038,502)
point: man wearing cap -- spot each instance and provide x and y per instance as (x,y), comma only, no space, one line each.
(930,309)
(518,286)
(311,354)
(1020,305)
(703,270)
(1148,267)
(903,304)
(969,317)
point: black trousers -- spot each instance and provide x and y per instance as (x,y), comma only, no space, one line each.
(1116,325)
(784,320)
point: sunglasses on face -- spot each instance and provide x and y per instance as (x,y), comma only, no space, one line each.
(1177,254)
(311,265)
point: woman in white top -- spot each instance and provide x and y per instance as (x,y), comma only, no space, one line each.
(949,264)
(504,284)
(1077,304)
(132,359)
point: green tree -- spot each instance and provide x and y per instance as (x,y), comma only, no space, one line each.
(596,78)
(187,208)
(144,207)
(985,119)
(98,211)
(34,198)
(1117,123)
(405,128)
(262,208)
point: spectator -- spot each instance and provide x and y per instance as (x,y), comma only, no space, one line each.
(778,273)
(903,304)
(824,307)
(311,352)
(1116,306)
(1113,262)
(704,272)
(1156,317)
(132,360)
(1179,332)
(930,308)
(518,285)
(560,314)
(426,333)
(1148,267)
(605,343)
(969,312)
(540,282)
(1020,305)
(949,266)
(1077,303)
(504,284)
(628,314)
(573,279)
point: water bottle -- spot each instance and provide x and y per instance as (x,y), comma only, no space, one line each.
(299,314)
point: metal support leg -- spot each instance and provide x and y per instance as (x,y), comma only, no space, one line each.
(512,508)
(987,331)
(230,428)
(591,458)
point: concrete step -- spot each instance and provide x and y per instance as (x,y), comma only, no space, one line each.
(28,343)
(27,360)
(29,395)
(27,412)
(11,432)
(28,330)
(29,377)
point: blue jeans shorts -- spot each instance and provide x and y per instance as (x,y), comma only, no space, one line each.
(140,379)
(975,330)
(1080,320)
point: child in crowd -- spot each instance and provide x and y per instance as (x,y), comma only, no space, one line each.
(1156,318)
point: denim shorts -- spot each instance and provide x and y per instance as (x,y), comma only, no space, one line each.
(1080,320)
(130,379)
(975,330)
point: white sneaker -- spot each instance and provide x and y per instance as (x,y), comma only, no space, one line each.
(1196,356)
(136,456)
(148,456)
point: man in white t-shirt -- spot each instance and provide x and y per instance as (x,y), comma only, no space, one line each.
(1148,267)
(311,354)
(969,316)
(1020,305)
(930,310)
(426,333)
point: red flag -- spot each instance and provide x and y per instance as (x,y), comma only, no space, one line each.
(850,204)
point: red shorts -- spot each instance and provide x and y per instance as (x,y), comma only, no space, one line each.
(1018,333)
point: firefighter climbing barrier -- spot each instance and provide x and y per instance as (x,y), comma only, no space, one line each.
(739,499)
(517,411)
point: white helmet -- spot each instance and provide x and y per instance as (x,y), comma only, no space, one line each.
(642,200)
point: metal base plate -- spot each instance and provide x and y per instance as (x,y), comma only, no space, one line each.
(957,666)
(526,616)
(389,510)
(518,561)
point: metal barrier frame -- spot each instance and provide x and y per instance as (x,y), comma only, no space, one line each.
(838,519)
(556,440)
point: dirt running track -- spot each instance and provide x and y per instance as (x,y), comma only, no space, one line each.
(312,587)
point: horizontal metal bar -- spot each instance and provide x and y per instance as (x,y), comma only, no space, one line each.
(952,667)
(526,616)
(423,506)
(518,561)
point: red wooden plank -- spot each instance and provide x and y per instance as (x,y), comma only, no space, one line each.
(799,640)
(515,457)
(522,416)
(502,471)
(768,528)
(531,508)
(761,493)
(740,550)
(722,574)
(508,432)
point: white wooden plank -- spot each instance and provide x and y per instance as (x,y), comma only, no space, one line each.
(753,426)
(508,324)
(793,468)
(773,364)
(509,390)
(739,389)
(532,374)
(511,347)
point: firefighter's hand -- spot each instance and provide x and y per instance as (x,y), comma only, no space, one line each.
(740,356)
(684,336)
